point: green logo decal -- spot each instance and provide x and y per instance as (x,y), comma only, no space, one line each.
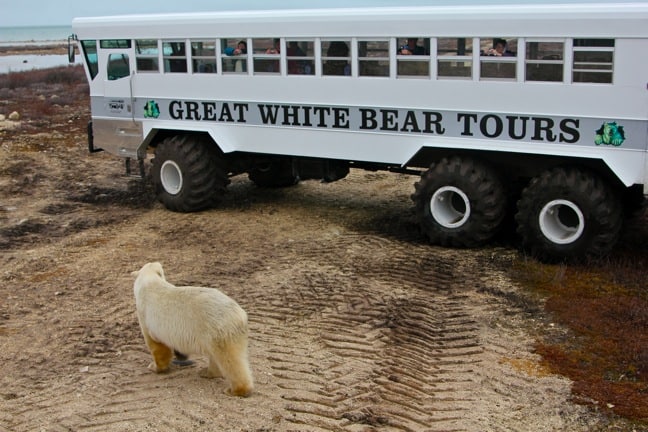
(151,109)
(610,134)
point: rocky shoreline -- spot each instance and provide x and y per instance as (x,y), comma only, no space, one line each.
(34,48)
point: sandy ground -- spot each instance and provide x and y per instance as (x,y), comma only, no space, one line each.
(356,324)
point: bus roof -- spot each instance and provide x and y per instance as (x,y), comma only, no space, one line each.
(592,19)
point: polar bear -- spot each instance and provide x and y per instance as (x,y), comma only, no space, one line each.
(193,320)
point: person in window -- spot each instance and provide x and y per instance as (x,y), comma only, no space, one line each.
(296,66)
(337,67)
(276,48)
(269,65)
(238,65)
(241,49)
(411,48)
(499,49)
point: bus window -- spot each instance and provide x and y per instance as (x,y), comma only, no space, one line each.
(454,57)
(413,57)
(118,66)
(335,58)
(174,56)
(593,60)
(498,59)
(90,54)
(301,57)
(234,52)
(373,58)
(544,61)
(266,55)
(203,56)
(146,51)
(115,43)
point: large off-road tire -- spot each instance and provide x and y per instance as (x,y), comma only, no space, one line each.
(274,173)
(460,202)
(568,214)
(188,173)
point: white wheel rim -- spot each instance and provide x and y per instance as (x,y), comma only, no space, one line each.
(171,177)
(555,228)
(444,209)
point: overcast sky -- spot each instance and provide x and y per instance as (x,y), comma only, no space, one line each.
(60,12)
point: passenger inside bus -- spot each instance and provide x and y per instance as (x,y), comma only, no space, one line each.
(337,66)
(241,48)
(276,47)
(175,57)
(299,63)
(238,66)
(411,48)
(499,49)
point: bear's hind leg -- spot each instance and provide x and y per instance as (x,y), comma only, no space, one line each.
(212,370)
(161,353)
(233,361)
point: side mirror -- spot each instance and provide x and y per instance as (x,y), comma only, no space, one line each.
(71,47)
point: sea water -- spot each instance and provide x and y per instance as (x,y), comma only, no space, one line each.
(32,36)
(11,35)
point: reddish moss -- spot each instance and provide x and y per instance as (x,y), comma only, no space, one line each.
(605,307)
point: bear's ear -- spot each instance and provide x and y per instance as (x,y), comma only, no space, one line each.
(135,273)
(158,269)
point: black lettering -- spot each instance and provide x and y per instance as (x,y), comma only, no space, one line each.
(569,131)
(484,129)
(433,123)
(512,129)
(192,111)
(225,114)
(368,119)
(410,124)
(467,119)
(268,113)
(290,115)
(175,110)
(389,120)
(543,129)
(323,112)
(242,109)
(209,111)
(307,117)
(341,118)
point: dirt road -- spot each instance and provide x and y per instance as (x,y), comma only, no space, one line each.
(356,323)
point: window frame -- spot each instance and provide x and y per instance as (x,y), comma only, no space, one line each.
(593,71)
(293,61)
(325,58)
(202,56)
(544,62)
(173,58)
(413,59)
(234,64)
(366,59)
(501,61)
(465,58)
(154,58)
(273,60)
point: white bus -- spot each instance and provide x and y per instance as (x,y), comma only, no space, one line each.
(538,110)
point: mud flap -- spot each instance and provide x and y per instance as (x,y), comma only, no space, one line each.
(91,147)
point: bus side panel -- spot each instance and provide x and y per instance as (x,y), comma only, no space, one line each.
(117,136)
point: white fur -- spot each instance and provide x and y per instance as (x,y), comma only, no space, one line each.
(193,320)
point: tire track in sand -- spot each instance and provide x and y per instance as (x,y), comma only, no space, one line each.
(392,343)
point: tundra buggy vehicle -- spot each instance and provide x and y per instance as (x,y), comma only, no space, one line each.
(535,110)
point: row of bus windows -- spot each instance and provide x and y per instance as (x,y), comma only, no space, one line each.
(591,60)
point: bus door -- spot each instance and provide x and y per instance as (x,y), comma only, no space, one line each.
(117,76)
(113,120)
